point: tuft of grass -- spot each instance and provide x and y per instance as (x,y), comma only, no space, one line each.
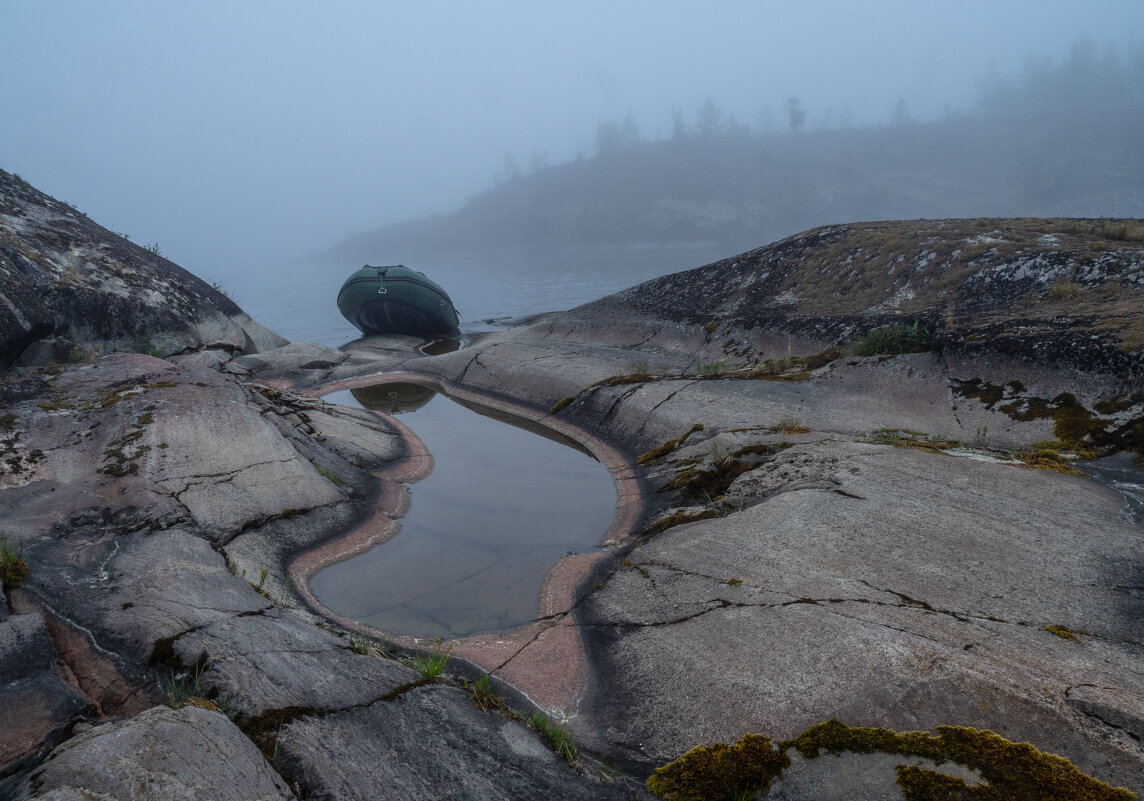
(1123,230)
(557,737)
(149,347)
(482,695)
(367,646)
(180,691)
(894,339)
(1065,290)
(431,664)
(13,569)
(719,457)
(904,438)
(790,425)
(608,774)
(718,367)
(333,477)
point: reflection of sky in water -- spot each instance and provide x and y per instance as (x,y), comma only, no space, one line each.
(500,508)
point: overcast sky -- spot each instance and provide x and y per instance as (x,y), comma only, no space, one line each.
(239,134)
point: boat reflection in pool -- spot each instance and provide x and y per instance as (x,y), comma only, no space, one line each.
(396,398)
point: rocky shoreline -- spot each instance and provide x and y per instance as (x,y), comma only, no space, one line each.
(804,534)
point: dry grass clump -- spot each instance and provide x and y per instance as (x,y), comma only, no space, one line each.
(1065,290)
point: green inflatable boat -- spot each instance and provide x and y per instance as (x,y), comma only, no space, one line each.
(396,300)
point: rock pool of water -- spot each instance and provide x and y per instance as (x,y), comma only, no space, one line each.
(500,508)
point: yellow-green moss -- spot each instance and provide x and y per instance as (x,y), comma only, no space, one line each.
(1011,771)
(904,438)
(562,404)
(629,378)
(56,403)
(705,484)
(709,483)
(1118,405)
(834,737)
(679,518)
(711,773)
(1063,632)
(667,447)
(1047,460)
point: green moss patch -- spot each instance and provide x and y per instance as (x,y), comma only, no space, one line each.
(1014,771)
(13,569)
(631,378)
(658,453)
(711,773)
(1011,771)
(709,483)
(1047,459)
(1063,632)
(561,404)
(1075,427)
(904,438)
(679,518)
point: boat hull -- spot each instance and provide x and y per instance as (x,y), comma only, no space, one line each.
(396,300)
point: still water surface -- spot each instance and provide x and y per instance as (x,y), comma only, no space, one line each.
(500,508)
(300,302)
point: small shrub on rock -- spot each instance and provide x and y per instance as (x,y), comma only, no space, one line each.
(894,339)
(13,569)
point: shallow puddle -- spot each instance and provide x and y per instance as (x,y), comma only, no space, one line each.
(501,507)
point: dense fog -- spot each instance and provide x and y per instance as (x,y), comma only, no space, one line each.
(241,137)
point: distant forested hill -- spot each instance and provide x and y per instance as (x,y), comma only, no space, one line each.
(1066,139)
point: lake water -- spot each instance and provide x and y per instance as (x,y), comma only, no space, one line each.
(300,302)
(1121,473)
(500,508)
